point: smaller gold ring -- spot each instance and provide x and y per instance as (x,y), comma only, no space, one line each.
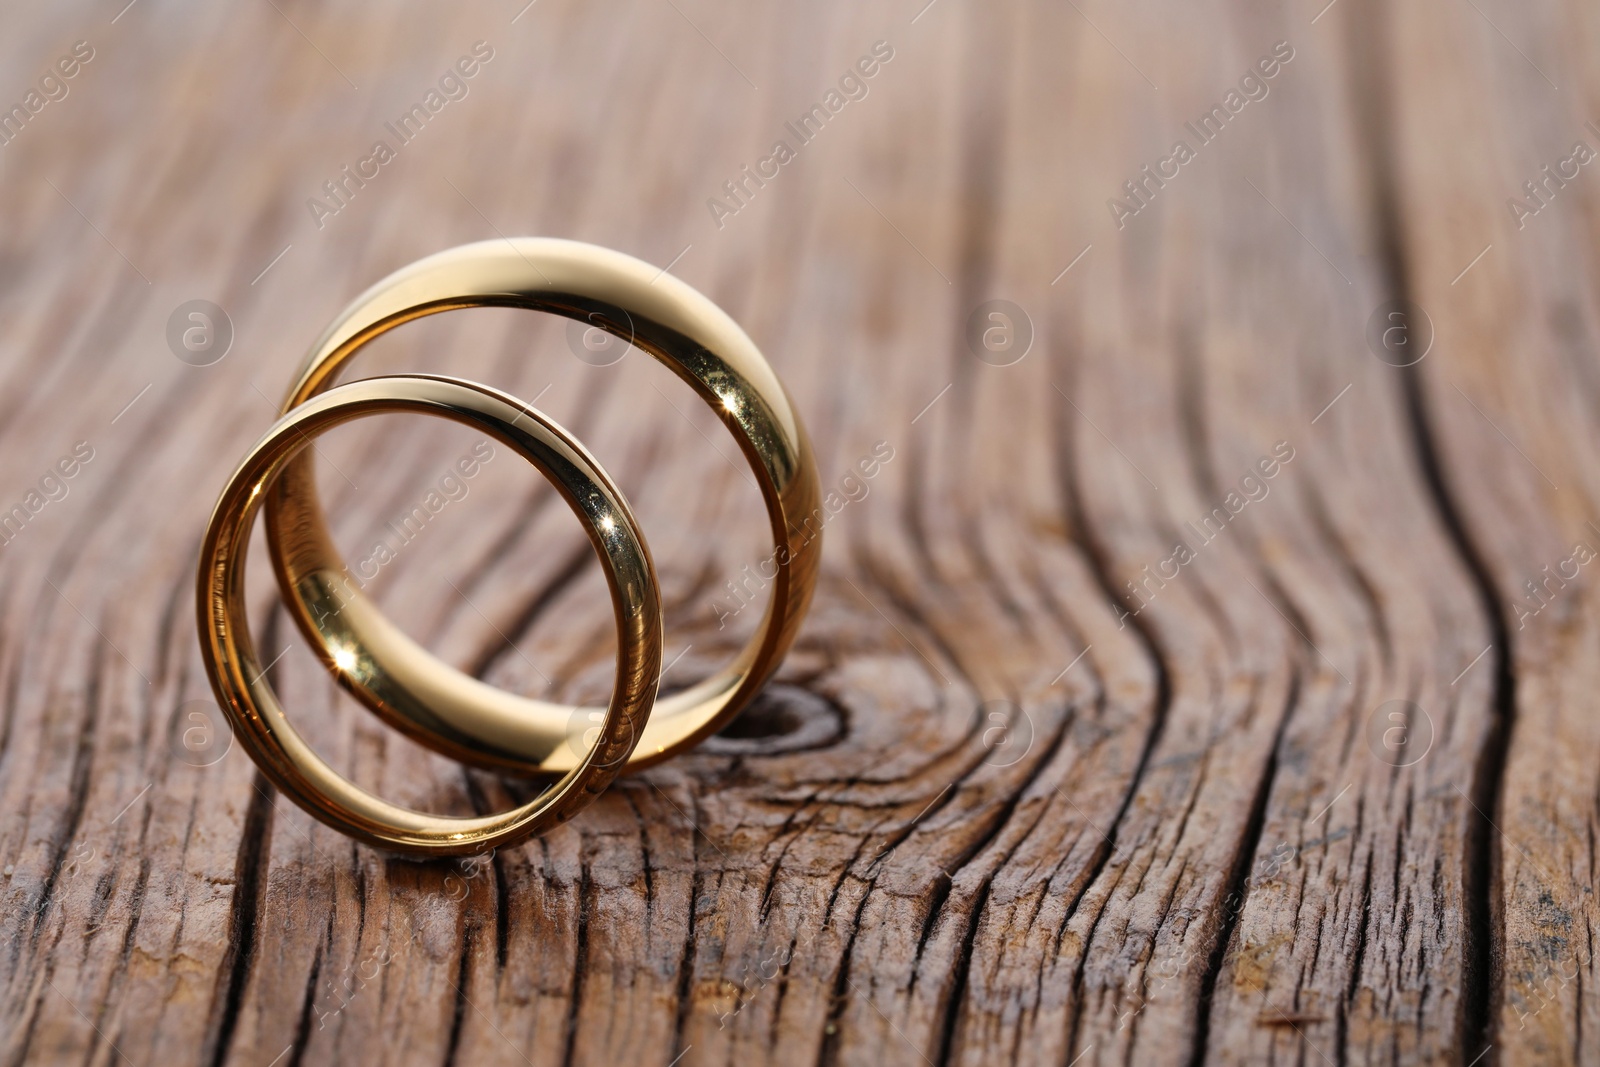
(237,674)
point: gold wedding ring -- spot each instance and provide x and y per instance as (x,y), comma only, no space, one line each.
(259,721)
(433,702)
(408,687)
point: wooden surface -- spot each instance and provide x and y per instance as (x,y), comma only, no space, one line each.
(1014,797)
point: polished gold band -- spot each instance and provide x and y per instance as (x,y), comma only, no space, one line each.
(258,720)
(433,702)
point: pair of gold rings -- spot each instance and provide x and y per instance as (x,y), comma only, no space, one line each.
(405,685)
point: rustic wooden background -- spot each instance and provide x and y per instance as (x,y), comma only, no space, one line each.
(989,812)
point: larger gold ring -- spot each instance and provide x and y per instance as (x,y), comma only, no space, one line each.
(258,720)
(433,702)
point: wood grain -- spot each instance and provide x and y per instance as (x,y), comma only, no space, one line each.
(1086,752)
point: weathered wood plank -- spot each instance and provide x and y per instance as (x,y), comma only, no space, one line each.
(1526,493)
(1029,789)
